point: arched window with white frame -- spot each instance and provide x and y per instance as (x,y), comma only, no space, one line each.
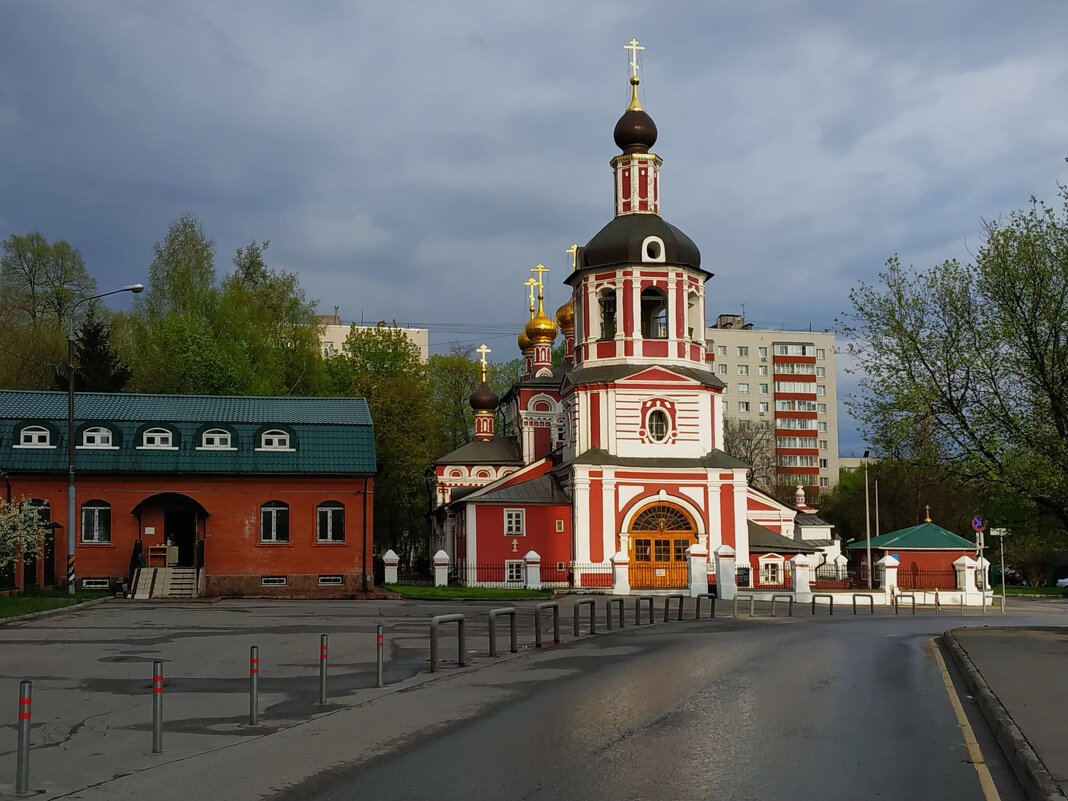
(157,438)
(216,439)
(654,313)
(97,437)
(35,437)
(330,522)
(274,440)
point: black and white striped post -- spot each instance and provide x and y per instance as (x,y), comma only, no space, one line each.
(253,685)
(157,707)
(22,772)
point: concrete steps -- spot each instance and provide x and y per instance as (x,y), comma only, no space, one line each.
(166,582)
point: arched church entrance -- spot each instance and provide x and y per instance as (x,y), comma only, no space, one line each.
(171,518)
(659,536)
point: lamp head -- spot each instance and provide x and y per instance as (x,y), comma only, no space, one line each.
(135,288)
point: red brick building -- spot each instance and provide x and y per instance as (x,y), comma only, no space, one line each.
(241,495)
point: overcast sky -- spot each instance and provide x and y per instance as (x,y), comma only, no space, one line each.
(413,160)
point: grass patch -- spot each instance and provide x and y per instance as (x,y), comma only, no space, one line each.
(478,593)
(1034,592)
(41,600)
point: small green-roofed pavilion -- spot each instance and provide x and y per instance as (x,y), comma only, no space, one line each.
(925,536)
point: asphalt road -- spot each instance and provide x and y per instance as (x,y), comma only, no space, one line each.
(786,709)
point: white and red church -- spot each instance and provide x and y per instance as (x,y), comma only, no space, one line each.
(615,458)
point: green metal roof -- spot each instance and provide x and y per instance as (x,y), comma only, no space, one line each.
(327,435)
(924,536)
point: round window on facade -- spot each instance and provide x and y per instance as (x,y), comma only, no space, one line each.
(658,425)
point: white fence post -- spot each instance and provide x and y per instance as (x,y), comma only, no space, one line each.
(532,564)
(441,569)
(620,574)
(390,560)
(889,565)
(697,569)
(965,567)
(802,578)
(726,580)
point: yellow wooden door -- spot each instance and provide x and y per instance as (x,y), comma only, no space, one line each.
(659,537)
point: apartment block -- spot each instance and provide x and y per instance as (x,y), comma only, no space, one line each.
(783,382)
(334,333)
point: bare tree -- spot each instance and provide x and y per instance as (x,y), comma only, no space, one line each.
(754,444)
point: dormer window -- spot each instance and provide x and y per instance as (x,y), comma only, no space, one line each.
(274,440)
(96,437)
(216,439)
(653,249)
(157,438)
(35,437)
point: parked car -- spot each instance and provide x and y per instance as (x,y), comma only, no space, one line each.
(1062,582)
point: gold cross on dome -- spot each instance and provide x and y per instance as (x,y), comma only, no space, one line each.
(531,283)
(539,270)
(573,250)
(633,47)
(483,350)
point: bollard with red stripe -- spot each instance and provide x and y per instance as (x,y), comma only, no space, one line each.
(157,707)
(253,685)
(22,773)
(380,651)
(322,669)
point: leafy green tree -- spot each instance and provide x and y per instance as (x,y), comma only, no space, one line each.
(182,274)
(98,367)
(42,281)
(382,365)
(453,377)
(267,313)
(968,366)
(20,531)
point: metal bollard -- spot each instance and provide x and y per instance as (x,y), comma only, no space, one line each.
(667,604)
(493,614)
(608,612)
(322,669)
(711,600)
(553,605)
(436,621)
(157,707)
(578,613)
(789,603)
(253,685)
(830,601)
(22,773)
(638,601)
(379,650)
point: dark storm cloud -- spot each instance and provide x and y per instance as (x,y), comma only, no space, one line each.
(412,160)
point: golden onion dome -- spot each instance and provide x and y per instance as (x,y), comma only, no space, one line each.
(524,342)
(565,316)
(541,328)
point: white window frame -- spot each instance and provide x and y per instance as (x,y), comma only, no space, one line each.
(743,369)
(722,368)
(721,350)
(824,481)
(821,426)
(821,408)
(271,510)
(665,433)
(762,352)
(38,436)
(771,569)
(513,571)
(743,350)
(743,388)
(763,407)
(762,369)
(820,353)
(743,406)
(821,372)
(275,440)
(223,440)
(99,532)
(515,522)
(823,464)
(163,440)
(98,438)
(330,535)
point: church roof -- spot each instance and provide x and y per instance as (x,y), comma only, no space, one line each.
(764,540)
(613,372)
(716,458)
(499,450)
(926,536)
(622,240)
(542,490)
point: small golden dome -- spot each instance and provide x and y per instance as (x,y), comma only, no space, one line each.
(565,316)
(541,328)
(524,342)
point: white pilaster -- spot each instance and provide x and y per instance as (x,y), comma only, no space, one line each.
(532,565)
(697,569)
(390,560)
(441,569)
(726,580)
(621,574)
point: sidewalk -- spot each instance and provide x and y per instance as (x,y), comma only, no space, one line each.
(1020,681)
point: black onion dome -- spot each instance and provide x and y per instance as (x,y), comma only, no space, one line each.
(635,132)
(620,242)
(484,399)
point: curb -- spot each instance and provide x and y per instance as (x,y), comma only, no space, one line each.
(57,611)
(1032,773)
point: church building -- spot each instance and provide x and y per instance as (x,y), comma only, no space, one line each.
(617,455)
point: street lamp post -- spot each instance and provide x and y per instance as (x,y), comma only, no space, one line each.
(71,507)
(1000,534)
(867,519)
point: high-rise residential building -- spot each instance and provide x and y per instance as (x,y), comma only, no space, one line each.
(782,382)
